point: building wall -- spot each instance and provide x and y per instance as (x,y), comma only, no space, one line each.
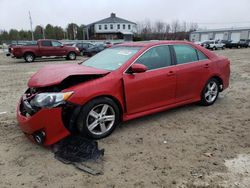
(115,28)
(196,36)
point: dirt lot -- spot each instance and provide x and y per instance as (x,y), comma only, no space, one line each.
(191,146)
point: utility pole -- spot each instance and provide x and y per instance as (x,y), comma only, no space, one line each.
(31,26)
(43,31)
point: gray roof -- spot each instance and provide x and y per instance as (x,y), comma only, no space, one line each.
(222,29)
(112,19)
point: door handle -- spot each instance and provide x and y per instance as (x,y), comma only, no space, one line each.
(206,66)
(170,73)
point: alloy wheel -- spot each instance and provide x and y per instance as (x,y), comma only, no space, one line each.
(100,119)
(211,91)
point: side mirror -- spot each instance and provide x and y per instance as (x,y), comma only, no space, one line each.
(137,68)
(62,46)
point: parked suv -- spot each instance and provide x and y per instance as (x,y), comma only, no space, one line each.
(214,44)
(244,43)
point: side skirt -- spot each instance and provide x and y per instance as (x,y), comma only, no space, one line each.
(127,117)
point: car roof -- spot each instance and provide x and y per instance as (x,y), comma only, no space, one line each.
(149,44)
(154,43)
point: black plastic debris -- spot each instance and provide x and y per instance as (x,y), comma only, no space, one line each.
(81,152)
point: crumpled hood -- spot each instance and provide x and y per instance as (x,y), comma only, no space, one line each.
(55,74)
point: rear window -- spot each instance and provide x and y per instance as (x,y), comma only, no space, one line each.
(185,54)
(201,56)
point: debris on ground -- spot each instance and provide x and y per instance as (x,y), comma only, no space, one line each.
(209,155)
(80,152)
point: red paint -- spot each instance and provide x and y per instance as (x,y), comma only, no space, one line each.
(47,120)
(54,74)
(138,94)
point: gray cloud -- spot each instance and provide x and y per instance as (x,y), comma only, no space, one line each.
(209,13)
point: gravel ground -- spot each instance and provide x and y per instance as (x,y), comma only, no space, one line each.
(191,146)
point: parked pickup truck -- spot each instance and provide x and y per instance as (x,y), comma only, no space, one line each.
(44,48)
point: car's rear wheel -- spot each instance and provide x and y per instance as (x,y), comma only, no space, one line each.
(210,92)
(29,57)
(71,56)
(98,118)
(214,48)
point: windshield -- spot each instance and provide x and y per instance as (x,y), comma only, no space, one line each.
(111,58)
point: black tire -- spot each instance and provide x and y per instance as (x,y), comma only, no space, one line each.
(214,48)
(29,57)
(84,118)
(71,56)
(204,98)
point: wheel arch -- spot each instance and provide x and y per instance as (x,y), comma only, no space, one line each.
(220,80)
(71,52)
(113,98)
(29,52)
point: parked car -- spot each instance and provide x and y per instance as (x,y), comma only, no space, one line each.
(244,43)
(121,83)
(237,44)
(83,46)
(44,48)
(213,44)
(94,50)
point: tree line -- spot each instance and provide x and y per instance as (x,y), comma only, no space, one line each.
(146,30)
(176,30)
(72,32)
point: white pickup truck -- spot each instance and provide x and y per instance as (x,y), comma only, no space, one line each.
(213,44)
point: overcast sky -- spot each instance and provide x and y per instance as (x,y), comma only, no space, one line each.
(207,13)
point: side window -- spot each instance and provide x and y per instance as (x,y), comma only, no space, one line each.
(46,43)
(185,54)
(156,57)
(56,44)
(201,56)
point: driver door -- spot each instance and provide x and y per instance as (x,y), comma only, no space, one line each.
(155,87)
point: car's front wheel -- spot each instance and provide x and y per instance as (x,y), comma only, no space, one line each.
(71,56)
(210,92)
(98,118)
(29,57)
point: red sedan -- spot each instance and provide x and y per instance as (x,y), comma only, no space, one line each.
(121,83)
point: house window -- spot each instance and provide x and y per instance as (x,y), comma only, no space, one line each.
(124,26)
(111,26)
(100,27)
(105,27)
(129,27)
(118,26)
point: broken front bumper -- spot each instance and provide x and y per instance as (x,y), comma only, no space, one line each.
(48,121)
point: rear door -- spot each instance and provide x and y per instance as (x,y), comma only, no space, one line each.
(155,87)
(192,72)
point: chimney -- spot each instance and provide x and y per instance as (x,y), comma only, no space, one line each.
(113,15)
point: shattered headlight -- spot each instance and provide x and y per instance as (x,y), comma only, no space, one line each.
(50,100)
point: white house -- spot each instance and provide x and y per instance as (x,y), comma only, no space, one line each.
(112,28)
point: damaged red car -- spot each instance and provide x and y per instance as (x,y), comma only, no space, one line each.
(121,83)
